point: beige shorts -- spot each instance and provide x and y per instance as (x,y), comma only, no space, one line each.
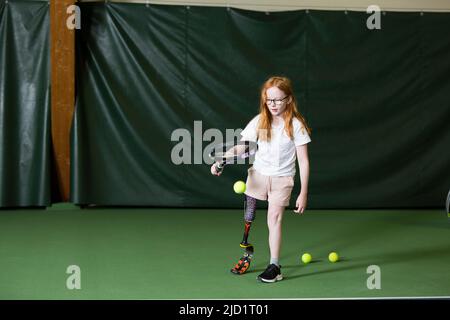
(276,190)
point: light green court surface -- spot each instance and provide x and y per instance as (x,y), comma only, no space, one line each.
(187,253)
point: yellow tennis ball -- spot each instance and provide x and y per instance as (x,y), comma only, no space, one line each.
(333,257)
(306,258)
(239,187)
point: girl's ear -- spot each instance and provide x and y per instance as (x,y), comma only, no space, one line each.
(290,99)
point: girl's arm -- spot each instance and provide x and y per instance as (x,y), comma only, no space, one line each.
(236,150)
(303,163)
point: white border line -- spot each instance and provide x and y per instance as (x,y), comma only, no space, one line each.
(307,299)
(249,5)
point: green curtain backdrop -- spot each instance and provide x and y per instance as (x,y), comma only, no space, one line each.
(377,102)
(24,104)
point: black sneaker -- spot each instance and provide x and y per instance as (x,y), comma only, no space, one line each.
(271,274)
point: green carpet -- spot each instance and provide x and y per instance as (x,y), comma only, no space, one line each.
(187,253)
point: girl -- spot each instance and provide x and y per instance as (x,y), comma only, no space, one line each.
(282,136)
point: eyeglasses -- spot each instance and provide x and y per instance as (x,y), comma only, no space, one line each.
(277,102)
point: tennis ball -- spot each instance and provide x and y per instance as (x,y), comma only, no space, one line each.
(306,258)
(239,187)
(333,257)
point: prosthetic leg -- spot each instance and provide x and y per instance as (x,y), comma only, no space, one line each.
(249,216)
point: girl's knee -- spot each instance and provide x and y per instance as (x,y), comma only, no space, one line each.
(274,218)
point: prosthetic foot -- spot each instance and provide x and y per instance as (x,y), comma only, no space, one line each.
(243,264)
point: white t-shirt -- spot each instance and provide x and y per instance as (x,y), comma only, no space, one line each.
(277,157)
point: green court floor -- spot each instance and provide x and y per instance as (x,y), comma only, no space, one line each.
(126,253)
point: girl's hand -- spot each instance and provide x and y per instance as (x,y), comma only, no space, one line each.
(300,204)
(214,170)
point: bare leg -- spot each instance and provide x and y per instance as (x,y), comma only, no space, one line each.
(274,220)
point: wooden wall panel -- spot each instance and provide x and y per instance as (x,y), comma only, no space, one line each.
(62,55)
